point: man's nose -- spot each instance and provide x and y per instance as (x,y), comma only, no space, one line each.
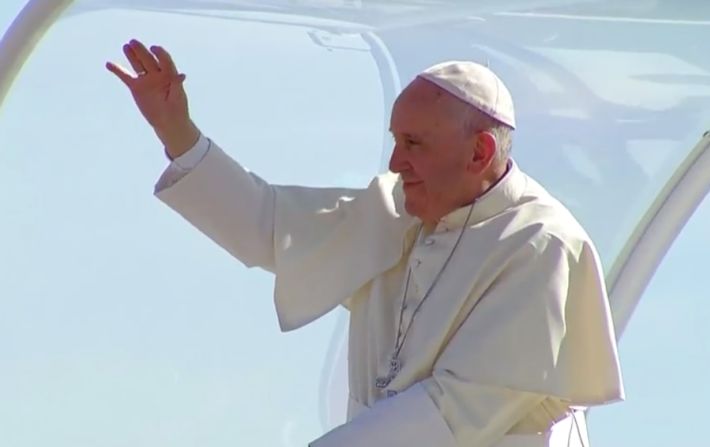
(398,162)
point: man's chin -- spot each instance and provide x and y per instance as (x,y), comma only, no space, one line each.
(413,208)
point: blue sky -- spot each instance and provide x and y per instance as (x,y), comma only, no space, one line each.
(121,325)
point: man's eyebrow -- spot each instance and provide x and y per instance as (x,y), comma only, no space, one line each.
(408,134)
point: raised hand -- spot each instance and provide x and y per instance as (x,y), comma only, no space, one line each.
(157,90)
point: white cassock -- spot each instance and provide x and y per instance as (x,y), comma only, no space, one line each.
(516,331)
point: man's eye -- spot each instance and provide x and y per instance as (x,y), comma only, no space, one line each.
(411,142)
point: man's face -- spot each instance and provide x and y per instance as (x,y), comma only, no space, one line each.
(432,153)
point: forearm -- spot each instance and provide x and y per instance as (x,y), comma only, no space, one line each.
(230,205)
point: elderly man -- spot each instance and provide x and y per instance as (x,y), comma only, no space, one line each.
(478,311)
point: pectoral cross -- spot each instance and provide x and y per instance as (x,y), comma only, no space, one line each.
(395,368)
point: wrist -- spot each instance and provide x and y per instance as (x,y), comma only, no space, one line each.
(178,139)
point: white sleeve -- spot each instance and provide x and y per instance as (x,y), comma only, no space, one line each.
(302,234)
(222,199)
(238,209)
(183,164)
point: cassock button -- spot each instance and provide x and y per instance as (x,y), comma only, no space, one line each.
(417,262)
(429,241)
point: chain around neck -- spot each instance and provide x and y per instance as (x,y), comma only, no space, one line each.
(402,336)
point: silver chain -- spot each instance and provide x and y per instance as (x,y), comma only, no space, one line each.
(402,337)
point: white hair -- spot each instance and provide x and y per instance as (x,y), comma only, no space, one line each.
(476,121)
(473,120)
(504,140)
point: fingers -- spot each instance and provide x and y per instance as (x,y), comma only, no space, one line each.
(144,57)
(136,64)
(121,72)
(164,60)
(144,62)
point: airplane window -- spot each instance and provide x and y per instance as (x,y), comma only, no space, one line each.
(665,353)
(122,325)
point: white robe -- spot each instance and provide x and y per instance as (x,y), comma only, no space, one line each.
(516,331)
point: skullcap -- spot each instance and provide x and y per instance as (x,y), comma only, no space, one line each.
(476,85)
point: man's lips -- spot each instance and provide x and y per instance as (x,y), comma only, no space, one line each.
(410,183)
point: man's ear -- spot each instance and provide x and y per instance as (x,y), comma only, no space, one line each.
(484,151)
